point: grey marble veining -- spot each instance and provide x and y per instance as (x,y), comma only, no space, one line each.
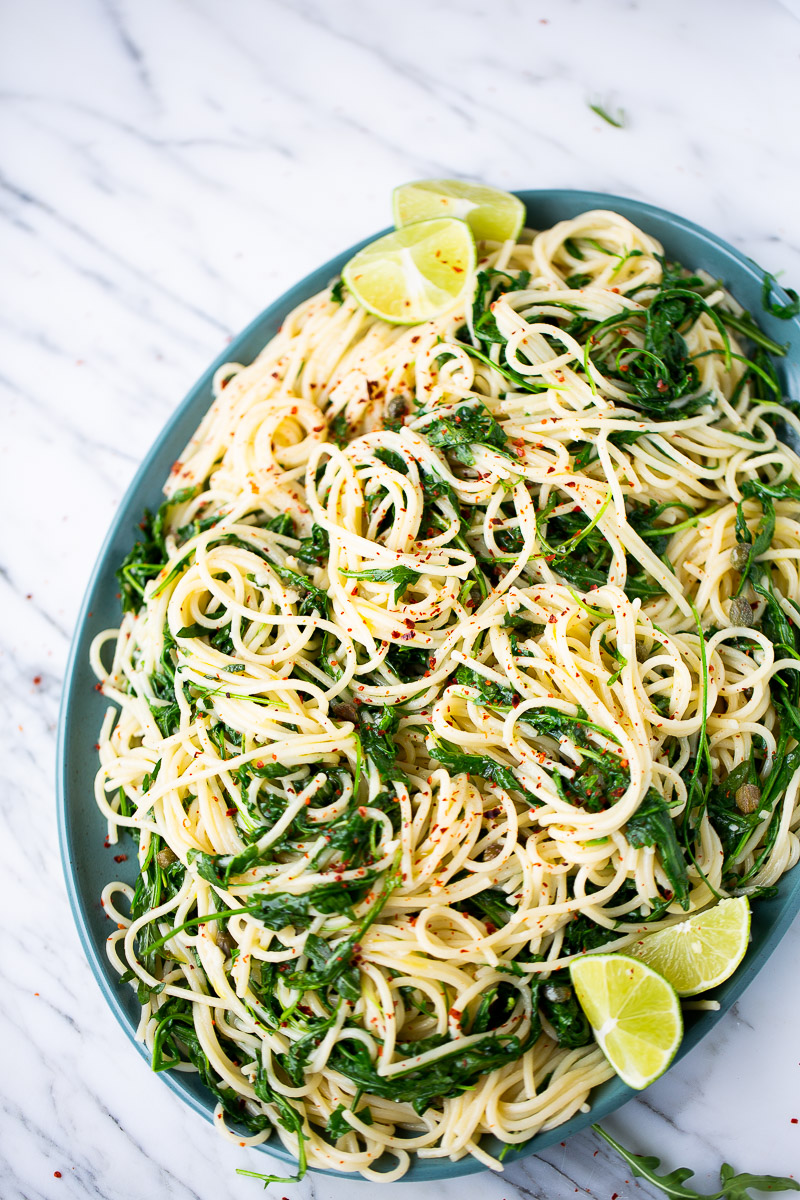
(170,166)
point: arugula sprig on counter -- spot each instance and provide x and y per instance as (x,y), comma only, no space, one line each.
(734,1187)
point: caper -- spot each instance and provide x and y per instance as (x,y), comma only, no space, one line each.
(166,857)
(557,994)
(225,942)
(344,712)
(740,612)
(396,407)
(748,798)
(740,555)
(475,597)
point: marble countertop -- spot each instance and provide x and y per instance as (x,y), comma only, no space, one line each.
(168,168)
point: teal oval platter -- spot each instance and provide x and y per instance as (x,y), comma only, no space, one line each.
(88,866)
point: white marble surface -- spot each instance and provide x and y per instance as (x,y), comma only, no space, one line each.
(167,169)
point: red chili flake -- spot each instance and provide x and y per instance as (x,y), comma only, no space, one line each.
(794,1121)
(230,812)
(120,858)
(56,1174)
(37,679)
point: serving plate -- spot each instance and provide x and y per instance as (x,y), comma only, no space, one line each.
(88,866)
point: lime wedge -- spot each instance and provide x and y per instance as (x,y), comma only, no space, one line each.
(416,273)
(492,215)
(702,951)
(634,1012)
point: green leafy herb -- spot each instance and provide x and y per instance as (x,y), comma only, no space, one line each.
(337,1126)
(734,1187)
(282,524)
(489,692)
(330,964)
(314,600)
(453,1073)
(783,312)
(617,121)
(652,825)
(176,1042)
(454,760)
(459,431)
(561,1008)
(376,730)
(315,549)
(401,576)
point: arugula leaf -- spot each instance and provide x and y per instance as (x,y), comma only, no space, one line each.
(337,1126)
(408,662)
(496,1006)
(314,600)
(282,524)
(330,963)
(659,376)
(401,576)
(490,284)
(582,935)
(289,1118)
(734,1187)
(732,825)
(454,760)
(176,1033)
(489,692)
(491,904)
(154,885)
(142,563)
(745,325)
(652,825)
(394,460)
(618,122)
(450,1075)
(316,548)
(377,742)
(458,432)
(783,312)
(148,556)
(565,1013)
(765,532)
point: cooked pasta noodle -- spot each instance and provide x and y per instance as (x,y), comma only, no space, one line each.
(435,666)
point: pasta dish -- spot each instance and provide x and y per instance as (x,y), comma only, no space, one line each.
(457,650)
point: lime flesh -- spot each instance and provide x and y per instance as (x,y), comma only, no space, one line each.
(634,1012)
(416,273)
(493,216)
(702,951)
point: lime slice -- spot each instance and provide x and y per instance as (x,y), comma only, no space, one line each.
(416,273)
(492,215)
(700,952)
(634,1012)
